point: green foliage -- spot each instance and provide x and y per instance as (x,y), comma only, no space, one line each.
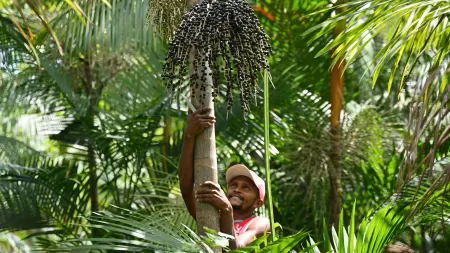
(369,132)
(416,39)
(31,198)
(414,58)
(55,103)
(10,242)
(281,245)
(130,232)
(109,29)
(11,38)
(104,99)
(374,233)
(134,232)
(412,30)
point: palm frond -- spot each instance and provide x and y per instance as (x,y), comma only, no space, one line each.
(411,31)
(373,234)
(117,27)
(35,198)
(40,90)
(429,130)
(13,46)
(133,232)
(10,242)
(429,200)
(12,150)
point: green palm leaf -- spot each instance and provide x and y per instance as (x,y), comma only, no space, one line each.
(117,27)
(414,28)
(36,198)
(133,232)
(13,49)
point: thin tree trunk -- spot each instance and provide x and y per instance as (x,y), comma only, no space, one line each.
(336,190)
(91,93)
(205,158)
(423,238)
(337,92)
(93,183)
(166,140)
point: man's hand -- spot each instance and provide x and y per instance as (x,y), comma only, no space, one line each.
(198,121)
(211,193)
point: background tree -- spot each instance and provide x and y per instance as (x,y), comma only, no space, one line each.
(336,102)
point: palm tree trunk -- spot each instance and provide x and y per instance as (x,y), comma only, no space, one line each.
(93,184)
(166,140)
(90,125)
(336,190)
(93,189)
(423,238)
(337,92)
(205,158)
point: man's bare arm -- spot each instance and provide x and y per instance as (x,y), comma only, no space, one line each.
(196,122)
(186,173)
(227,225)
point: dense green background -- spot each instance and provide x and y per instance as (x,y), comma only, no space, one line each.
(85,116)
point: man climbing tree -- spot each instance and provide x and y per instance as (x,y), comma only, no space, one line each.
(245,192)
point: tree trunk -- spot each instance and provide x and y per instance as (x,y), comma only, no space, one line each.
(337,92)
(423,237)
(336,190)
(93,185)
(91,93)
(166,140)
(205,160)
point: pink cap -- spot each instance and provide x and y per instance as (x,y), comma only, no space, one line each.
(242,170)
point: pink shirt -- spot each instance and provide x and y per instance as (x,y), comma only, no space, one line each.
(242,226)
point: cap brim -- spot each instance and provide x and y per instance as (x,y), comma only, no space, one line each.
(238,170)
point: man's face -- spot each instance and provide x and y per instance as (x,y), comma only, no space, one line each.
(243,194)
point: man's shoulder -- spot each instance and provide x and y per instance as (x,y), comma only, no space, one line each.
(260,225)
(261,218)
(261,222)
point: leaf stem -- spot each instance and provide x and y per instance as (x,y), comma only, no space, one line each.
(266,152)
